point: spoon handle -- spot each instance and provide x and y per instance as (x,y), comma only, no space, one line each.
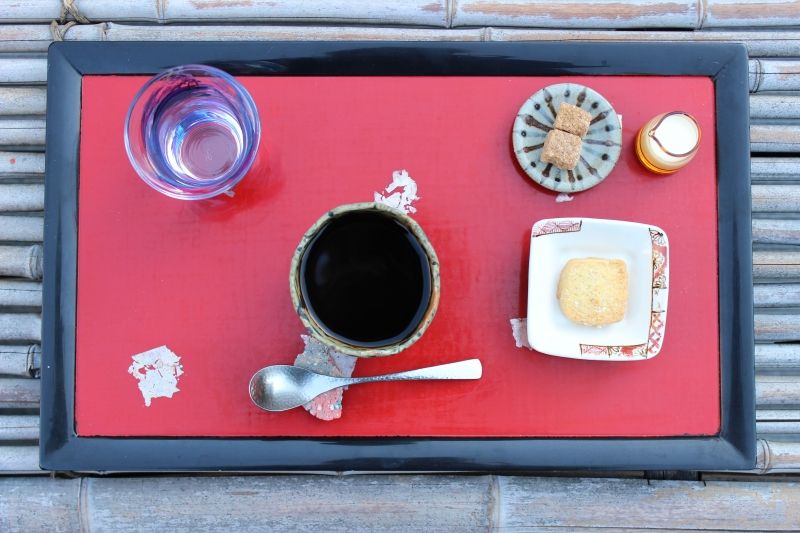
(469,369)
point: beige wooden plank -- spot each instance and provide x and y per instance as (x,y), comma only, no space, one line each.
(764,43)
(424,503)
(782,357)
(16,197)
(126,32)
(25,37)
(777,327)
(19,427)
(45,11)
(775,457)
(22,100)
(618,504)
(21,197)
(776,265)
(278,503)
(771,231)
(775,138)
(776,198)
(17,293)
(772,106)
(778,415)
(774,75)
(778,429)
(780,169)
(17,459)
(746,13)
(42,504)
(16,164)
(686,14)
(19,393)
(604,14)
(28,133)
(21,228)
(411,12)
(772,294)
(21,261)
(19,360)
(20,327)
(19,70)
(777,391)
(36,38)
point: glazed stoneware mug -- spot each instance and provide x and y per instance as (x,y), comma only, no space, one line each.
(365,280)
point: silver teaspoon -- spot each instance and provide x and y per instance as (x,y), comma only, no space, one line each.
(282,387)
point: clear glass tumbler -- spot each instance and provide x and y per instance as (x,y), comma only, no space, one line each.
(192,132)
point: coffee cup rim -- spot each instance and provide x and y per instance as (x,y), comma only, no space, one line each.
(316,330)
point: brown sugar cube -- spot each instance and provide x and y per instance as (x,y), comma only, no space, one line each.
(593,291)
(562,149)
(572,119)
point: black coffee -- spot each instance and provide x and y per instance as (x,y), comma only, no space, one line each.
(366,279)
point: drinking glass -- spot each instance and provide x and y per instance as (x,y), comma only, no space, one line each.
(192,132)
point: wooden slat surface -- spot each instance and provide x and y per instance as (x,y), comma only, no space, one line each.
(19,328)
(22,100)
(21,197)
(776,231)
(36,37)
(578,14)
(21,261)
(21,228)
(670,505)
(766,43)
(21,360)
(778,357)
(18,293)
(687,14)
(20,428)
(407,502)
(23,70)
(27,133)
(395,503)
(386,12)
(14,165)
(19,393)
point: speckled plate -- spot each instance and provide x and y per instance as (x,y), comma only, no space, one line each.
(601,145)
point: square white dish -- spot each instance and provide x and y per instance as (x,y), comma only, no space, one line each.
(645,250)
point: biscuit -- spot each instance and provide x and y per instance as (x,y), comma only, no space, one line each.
(562,149)
(593,291)
(572,119)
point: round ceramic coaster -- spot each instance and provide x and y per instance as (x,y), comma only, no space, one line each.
(601,145)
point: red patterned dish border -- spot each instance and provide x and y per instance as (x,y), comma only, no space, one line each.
(658,306)
(548,227)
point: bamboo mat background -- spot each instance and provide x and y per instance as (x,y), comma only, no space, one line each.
(766,499)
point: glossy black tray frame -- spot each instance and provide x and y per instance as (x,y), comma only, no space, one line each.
(734,447)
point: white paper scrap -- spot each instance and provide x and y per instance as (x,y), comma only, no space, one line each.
(157,371)
(519,328)
(564,197)
(401,193)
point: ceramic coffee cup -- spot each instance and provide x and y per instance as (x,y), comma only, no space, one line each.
(365,280)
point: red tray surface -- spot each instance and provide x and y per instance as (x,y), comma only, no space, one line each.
(210,279)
